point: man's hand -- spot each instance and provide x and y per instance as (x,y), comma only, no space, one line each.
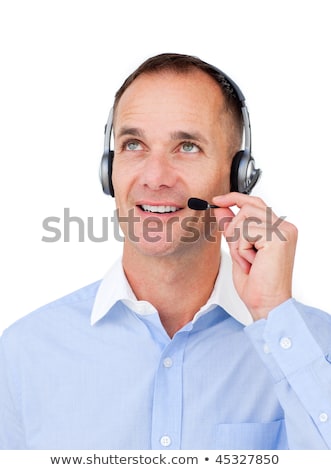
(262,247)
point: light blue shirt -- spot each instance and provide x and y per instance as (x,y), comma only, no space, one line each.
(97,370)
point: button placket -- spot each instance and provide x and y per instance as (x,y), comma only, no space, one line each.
(167,399)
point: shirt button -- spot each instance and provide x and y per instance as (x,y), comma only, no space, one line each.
(285,342)
(165,441)
(167,362)
(323,417)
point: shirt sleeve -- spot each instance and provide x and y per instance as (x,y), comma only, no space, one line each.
(11,434)
(295,345)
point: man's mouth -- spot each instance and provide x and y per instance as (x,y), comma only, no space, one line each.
(159,209)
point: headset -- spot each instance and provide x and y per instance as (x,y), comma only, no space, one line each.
(243,176)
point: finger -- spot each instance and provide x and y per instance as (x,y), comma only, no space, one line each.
(243,257)
(245,223)
(223,217)
(237,199)
(245,235)
(242,249)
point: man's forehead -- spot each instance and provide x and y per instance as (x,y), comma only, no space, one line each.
(169,88)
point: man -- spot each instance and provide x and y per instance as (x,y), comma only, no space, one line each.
(165,365)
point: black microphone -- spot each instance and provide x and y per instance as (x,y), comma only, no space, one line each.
(199,204)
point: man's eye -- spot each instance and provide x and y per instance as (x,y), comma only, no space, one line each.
(189,147)
(132,145)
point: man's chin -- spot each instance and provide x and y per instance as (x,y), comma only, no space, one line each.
(161,247)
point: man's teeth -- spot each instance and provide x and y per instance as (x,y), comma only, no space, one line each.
(159,209)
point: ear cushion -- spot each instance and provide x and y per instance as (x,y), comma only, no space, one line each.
(234,175)
(106,168)
(244,175)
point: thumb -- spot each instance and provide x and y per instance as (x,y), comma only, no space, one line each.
(224,216)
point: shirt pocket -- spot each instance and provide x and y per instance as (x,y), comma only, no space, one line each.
(271,435)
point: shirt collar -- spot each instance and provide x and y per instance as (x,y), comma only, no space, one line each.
(115,287)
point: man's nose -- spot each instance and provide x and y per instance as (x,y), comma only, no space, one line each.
(158,171)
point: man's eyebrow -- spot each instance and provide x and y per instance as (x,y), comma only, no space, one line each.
(176,135)
(184,135)
(133,131)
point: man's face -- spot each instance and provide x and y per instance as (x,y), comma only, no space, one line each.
(171,143)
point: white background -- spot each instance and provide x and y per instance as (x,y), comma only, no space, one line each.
(61,63)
